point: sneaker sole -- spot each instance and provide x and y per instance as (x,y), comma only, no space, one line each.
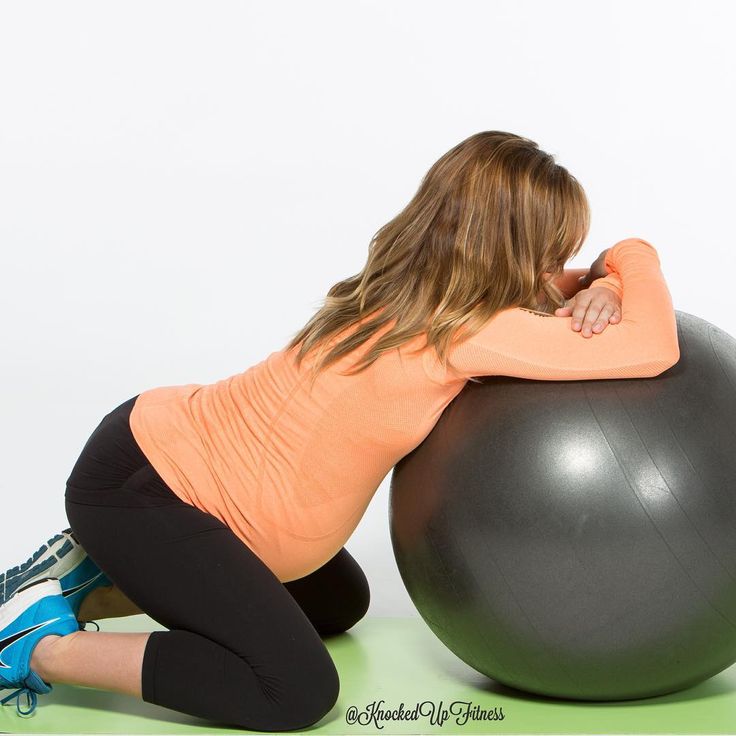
(55,558)
(26,597)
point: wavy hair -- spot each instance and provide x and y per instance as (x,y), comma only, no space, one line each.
(493,220)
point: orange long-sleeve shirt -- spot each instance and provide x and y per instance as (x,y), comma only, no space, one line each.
(292,472)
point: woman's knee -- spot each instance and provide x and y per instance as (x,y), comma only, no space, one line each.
(302,695)
(334,597)
(294,685)
(317,697)
(355,593)
(355,603)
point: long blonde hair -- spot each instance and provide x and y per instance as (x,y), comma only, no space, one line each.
(492,221)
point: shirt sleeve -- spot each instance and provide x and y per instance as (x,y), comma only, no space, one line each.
(527,344)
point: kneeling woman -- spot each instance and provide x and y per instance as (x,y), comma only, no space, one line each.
(222,510)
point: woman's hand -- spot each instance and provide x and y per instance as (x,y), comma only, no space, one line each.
(592,310)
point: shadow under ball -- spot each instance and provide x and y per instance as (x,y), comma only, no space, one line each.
(577,539)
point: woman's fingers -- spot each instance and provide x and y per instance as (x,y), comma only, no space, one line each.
(580,320)
(591,313)
(591,317)
(602,319)
(566,310)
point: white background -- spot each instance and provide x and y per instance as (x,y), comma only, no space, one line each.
(181,183)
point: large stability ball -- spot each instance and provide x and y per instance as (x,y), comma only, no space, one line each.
(577,539)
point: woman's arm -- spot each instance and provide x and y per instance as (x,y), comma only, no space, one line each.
(518,342)
(568,282)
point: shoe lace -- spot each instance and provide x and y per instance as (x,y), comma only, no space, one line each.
(30,694)
(83,624)
(31,699)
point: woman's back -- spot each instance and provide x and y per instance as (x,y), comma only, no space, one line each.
(292,471)
(289,470)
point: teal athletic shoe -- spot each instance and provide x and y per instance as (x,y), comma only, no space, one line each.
(61,557)
(31,613)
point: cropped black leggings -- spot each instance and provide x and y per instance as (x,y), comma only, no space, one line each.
(242,648)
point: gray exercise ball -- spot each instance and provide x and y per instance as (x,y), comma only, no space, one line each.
(577,539)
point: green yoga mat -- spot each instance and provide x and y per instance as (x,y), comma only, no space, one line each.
(399,661)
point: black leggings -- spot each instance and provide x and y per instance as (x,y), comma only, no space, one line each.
(242,648)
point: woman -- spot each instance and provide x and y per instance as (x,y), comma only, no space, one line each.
(222,510)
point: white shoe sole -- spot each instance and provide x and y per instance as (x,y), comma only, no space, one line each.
(26,597)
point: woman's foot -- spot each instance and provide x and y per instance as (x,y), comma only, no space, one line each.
(35,611)
(61,557)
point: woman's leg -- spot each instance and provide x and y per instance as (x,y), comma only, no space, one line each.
(335,596)
(239,649)
(92,659)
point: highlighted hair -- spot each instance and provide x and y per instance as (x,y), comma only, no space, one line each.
(492,220)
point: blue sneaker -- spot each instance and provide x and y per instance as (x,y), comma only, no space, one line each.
(33,612)
(61,557)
